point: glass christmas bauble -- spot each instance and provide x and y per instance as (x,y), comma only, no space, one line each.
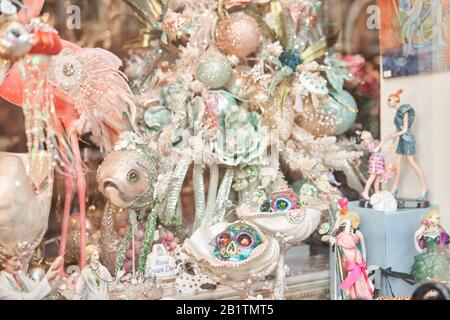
(238,34)
(214,73)
(343,107)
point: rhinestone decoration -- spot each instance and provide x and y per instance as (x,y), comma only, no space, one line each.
(236,243)
(66,72)
(296,216)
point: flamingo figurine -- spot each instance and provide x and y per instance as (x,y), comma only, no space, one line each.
(90,94)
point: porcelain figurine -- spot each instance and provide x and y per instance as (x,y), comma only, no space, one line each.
(406,148)
(190,278)
(15,285)
(377,166)
(431,242)
(351,256)
(95,281)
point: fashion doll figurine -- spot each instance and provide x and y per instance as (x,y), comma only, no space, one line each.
(377,166)
(404,120)
(431,241)
(95,280)
(351,259)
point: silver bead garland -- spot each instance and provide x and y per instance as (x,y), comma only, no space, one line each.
(199,191)
(178,176)
(223,195)
(212,194)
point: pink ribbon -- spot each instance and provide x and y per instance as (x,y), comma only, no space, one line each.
(211,110)
(355,271)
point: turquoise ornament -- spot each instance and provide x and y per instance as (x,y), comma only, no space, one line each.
(173,99)
(343,107)
(213,73)
(291,58)
(157,118)
(298,184)
(240,139)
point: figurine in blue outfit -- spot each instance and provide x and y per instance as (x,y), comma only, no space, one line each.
(404,120)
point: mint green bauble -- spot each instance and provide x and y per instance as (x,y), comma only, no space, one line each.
(298,184)
(343,107)
(157,118)
(213,73)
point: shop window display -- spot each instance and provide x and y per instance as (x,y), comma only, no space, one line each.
(229,150)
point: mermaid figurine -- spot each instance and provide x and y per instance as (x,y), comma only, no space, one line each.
(404,120)
(431,241)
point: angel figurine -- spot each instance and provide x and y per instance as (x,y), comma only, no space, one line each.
(95,280)
(377,166)
(351,258)
(431,241)
(404,120)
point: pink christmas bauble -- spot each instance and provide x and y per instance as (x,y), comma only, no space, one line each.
(238,34)
(122,231)
(129,254)
(140,234)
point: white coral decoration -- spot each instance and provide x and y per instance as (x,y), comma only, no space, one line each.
(274,49)
(261,97)
(197,86)
(129,141)
(233,60)
(384,201)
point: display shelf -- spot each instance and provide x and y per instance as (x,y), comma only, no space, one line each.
(308,286)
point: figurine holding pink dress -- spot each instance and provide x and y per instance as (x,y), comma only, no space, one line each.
(378,170)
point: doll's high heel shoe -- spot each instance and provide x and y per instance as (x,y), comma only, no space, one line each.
(424,196)
(365,196)
(395,193)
